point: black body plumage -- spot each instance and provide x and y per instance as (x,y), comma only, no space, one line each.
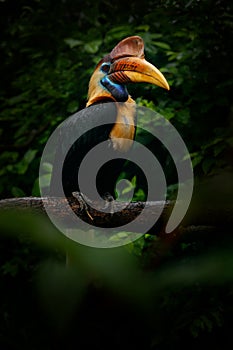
(104,115)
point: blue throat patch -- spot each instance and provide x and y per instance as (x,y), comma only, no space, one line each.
(118,91)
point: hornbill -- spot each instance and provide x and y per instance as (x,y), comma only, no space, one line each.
(125,64)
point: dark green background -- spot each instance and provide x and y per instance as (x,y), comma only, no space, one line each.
(121,298)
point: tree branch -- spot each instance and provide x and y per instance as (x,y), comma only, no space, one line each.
(92,216)
(198,216)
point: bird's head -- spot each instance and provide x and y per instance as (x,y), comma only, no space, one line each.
(125,64)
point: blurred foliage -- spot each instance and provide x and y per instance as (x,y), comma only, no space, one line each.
(121,298)
(111,298)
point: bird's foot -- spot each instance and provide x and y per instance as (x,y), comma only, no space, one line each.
(109,203)
(108,207)
(83,200)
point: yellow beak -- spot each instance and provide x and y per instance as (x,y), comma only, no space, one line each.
(136,70)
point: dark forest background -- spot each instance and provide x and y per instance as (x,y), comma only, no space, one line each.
(140,296)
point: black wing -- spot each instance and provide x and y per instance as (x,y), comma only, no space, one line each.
(87,129)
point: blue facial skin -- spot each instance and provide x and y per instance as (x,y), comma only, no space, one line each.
(118,91)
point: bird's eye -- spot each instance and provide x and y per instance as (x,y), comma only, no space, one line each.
(105,67)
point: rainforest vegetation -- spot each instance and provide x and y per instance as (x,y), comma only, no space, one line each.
(141,295)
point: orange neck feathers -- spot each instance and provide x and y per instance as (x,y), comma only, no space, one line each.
(123,132)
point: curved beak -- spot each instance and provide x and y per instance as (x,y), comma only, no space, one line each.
(136,70)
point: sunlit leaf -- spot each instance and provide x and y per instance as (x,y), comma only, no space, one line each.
(47,167)
(144,27)
(73,42)
(45,180)
(93,46)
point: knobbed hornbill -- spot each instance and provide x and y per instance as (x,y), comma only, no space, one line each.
(125,64)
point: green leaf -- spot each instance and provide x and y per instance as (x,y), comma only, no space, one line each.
(73,42)
(134,181)
(207,164)
(144,27)
(17,99)
(17,192)
(162,45)
(45,180)
(196,160)
(219,148)
(140,195)
(29,155)
(123,234)
(119,32)
(156,35)
(127,189)
(47,167)
(22,166)
(212,143)
(72,106)
(36,188)
(93,46)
